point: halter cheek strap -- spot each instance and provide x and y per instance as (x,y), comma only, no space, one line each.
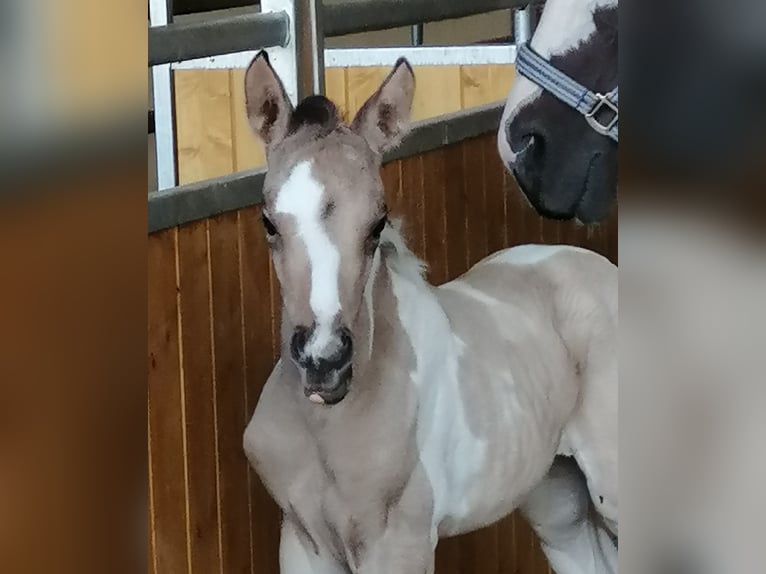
(591,105)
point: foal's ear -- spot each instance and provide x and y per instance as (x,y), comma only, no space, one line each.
(384,119)
(268,107)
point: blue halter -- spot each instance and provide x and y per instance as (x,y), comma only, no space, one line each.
(533,66)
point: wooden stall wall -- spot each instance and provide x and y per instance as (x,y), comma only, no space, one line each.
(213,339)
(214,139)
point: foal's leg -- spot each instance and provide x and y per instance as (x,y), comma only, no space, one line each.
(559,511)
(298,554)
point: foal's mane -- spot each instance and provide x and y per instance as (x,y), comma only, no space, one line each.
(398,256)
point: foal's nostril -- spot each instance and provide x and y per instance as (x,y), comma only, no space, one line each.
(346,347)
(337,359)
(298,344)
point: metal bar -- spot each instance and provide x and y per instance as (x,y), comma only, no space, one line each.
(204,199)
(353,16)
(362,57)
(309,47)
(179,42)
(208,198)
(416,34)
(423,56)
(522,25)
(160,13)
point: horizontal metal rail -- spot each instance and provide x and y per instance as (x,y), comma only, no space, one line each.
(212,197)
(476,54)
(353,16)
(179,42)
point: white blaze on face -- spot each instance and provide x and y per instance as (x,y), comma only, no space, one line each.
(301,196)
(563,26)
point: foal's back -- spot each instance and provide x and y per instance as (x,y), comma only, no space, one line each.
(530,318)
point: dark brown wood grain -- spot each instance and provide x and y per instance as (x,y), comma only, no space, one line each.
(456,212)
(412,191)
(258,322)
(434,187)
(165,407)
(230,392)
(458,204)
(199,397)
(476,208)
(495,196)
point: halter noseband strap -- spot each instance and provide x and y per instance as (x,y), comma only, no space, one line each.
(539,70)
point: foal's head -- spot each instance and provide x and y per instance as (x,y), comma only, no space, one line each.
(323,214)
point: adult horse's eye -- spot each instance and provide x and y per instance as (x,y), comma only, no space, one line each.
(271,230)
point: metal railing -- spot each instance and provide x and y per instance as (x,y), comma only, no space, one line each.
(180,42)
(295,30)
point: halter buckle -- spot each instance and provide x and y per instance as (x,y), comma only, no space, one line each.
(603,101)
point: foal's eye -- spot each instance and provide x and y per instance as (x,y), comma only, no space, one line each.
(378,229)
(271,230)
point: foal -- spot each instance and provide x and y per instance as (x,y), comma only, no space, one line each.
(401,412)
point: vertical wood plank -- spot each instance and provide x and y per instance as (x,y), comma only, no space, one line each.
(361,83)
(515,207)
(152,546)
(256,297)
(495,196)
(412,190)
(505,546)
(204,126)
(437,91)
(473,180)
(230,392)
(448,559)
(455,203)
(391,175)
(434,188)
(199,397)
(247,150)
(336,90)
(501,78)
(165,415)
(475,86)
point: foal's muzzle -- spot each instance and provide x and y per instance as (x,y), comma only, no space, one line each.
(326,375)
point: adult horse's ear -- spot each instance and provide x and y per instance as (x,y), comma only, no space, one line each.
(268,107)
(384,119)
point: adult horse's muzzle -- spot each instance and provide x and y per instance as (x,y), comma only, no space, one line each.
(326,377)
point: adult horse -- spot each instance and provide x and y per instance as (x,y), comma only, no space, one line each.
(401,412)
(559,127)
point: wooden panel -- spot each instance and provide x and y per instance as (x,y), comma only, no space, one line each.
(259,324)
(455,212)
(458,203)
(434,199)
(412,190)
(361,83)
(437,91)
(214,137)
(230,392)
(199,397)
(473,180)
(165,408)
(335,81)
(248,150)
(204,126)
